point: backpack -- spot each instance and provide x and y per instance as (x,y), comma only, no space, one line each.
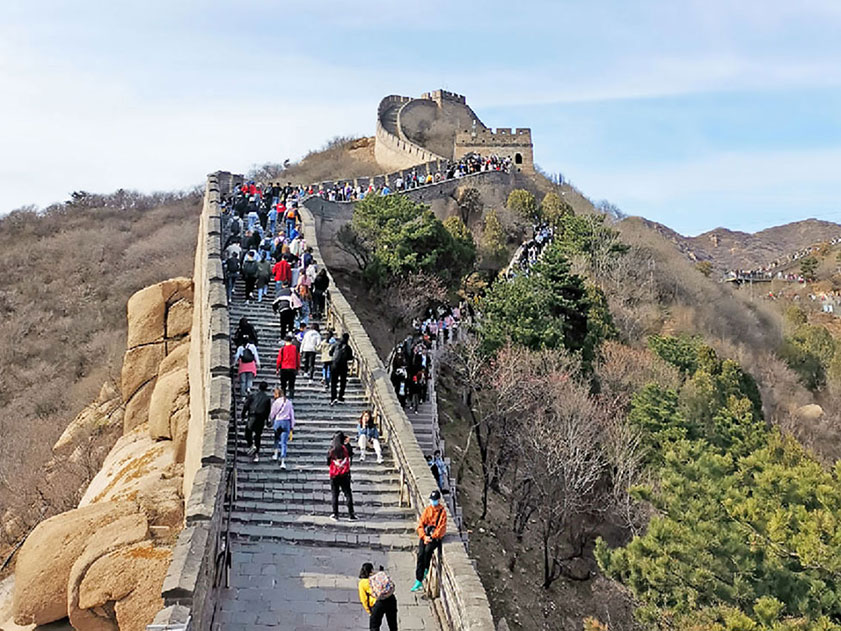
(341,466)
(290,214)
(381,585)
(247,356)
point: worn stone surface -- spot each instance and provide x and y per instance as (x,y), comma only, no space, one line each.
(137,408)
(46,558)
(123,532)
(179,318)
(140,364)
(146,313)
(176,359)
(167,398)
(130,576)
(106,410)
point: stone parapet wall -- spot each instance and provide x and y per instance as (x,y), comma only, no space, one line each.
(187,589)
(460,598)
(392,151)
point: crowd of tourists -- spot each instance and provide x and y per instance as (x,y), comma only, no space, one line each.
(528,253)
(468,165)
(265,247)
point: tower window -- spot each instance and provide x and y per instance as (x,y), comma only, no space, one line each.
(518,158)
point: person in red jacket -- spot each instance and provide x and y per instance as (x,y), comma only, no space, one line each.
(282,272)
(288,363)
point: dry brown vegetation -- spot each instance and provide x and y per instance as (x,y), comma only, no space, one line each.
(67,274)
(340,158)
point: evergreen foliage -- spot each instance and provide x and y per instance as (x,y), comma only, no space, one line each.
(403,237)
(548,308)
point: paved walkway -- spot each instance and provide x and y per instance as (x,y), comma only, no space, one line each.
(294,568)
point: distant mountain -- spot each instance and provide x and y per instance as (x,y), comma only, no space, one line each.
(731,249)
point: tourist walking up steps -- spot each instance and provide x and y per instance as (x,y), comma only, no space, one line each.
(431,529)
(376,593)
(256,412)
(288,364)
(249,364)
(309,346)
(338,459)
(282,417)
(283,306)
(342,356)
(245,333)
(328,343)
(368,431)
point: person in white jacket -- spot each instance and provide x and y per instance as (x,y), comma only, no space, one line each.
(309,346)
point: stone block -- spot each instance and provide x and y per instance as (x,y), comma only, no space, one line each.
(185,570)
(214,443)
(202,502)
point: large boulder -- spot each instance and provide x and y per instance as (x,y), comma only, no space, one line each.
(134,465)
(146,313)
(175,359)
(147,310)
(48,554)
(169,396)
(123,532)
(131,579)
(140,364)
(105,411)
(137,408)
(179,318)
(811,412)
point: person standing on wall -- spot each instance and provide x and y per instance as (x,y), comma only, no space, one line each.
(282,418)
(288,364)
(338,459)
(431,529)
(342,356)
(256,412)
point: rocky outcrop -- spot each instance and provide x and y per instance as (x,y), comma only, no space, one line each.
(48,554)
(103,563)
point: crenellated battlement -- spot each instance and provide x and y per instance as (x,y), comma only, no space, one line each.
(442,95)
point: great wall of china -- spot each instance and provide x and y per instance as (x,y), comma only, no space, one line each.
(200,551)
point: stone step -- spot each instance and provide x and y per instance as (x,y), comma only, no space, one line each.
(305,484)
(371,518)
(297,501)
(326,537)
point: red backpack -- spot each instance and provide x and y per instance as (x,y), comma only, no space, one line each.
(340,466)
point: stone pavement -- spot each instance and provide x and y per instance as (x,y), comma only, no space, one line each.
(294,568)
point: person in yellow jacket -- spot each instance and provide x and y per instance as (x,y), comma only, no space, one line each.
(431,529)
(366,596)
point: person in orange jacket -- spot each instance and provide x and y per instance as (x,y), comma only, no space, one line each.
(431,529)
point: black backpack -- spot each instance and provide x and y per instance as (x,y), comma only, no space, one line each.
(231,266)
(247,356)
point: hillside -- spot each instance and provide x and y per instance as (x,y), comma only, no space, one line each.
(729,249)
(67,274)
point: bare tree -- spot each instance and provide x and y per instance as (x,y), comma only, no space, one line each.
(562,457)
(409,296)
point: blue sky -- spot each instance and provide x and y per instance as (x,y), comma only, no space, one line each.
(693,113)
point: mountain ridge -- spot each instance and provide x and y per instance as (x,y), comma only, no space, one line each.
(730,249)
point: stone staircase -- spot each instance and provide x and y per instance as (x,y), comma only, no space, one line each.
(293,567)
